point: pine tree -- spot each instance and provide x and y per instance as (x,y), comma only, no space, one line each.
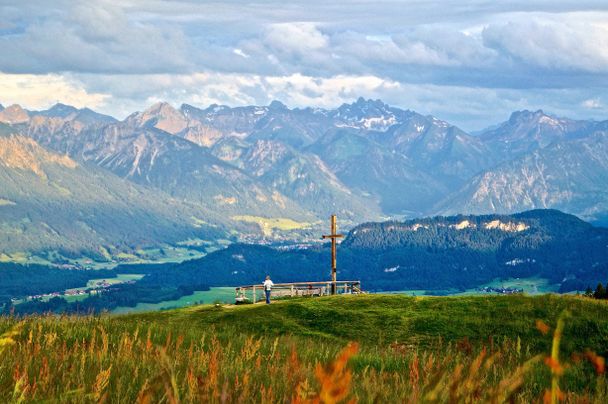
(588,292)
(600,292)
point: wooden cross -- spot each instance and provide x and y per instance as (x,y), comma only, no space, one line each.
(333,236)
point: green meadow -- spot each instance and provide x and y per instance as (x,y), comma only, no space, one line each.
(367,348)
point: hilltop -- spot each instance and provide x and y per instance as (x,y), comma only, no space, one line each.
(381,319)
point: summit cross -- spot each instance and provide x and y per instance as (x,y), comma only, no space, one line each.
(333,236)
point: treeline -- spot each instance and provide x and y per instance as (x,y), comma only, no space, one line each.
(600,292)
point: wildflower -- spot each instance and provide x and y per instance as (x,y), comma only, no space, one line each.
(598,362)
(335,379)
(542,327)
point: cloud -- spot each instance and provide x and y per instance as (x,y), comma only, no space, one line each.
(239,52)
(471,108)
(207,88)
(92,37)
(468,62)
(592,103)
(296,37)
(42,91)
(552,44)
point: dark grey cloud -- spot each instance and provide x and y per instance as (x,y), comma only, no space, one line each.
(88,37)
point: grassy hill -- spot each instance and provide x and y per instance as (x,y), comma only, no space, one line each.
(384,319)
(369,348)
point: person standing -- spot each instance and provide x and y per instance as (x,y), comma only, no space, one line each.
(268,284)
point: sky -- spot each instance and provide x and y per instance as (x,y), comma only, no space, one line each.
(471,63)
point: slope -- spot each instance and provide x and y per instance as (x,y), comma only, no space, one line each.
(50,202)
(568,175)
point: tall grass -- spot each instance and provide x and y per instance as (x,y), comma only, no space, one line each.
(98,359)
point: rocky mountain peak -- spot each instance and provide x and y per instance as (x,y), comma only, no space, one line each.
(366,114)
(60,110)
(14,114)
(162,116)
(529,128)
(276,106)
(186,109)
(160,108)
(365,107)
(526,116)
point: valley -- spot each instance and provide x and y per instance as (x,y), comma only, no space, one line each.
(534,252)
(193,199)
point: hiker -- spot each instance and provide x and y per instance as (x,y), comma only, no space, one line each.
(267,288)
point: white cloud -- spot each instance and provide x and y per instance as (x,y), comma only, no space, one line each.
(592,103)
(42,91)
(240,52)
(207,88)
(92,37)
(563,42)
(119,95)
(297,37)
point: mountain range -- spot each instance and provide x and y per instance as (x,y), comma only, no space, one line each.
(267,171)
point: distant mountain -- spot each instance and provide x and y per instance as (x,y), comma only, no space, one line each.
(268,154)
(152,157)
(543,162)
(305,178)
(69,113)
(364,160)
(527,131)
(439,148)
(160,116)
(571,176)
(13,114)
(53,206)
(368,115)
(441,254)
(372,170)
(221,122)
(405,160)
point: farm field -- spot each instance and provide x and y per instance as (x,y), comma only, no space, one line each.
(221,294)
(166,255)
(268,225)
(371,348)
(530,286)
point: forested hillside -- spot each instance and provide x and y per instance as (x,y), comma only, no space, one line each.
(440,253)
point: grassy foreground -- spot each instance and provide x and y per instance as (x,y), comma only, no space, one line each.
(370,348)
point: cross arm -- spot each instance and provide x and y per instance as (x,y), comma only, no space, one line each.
(333,236)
